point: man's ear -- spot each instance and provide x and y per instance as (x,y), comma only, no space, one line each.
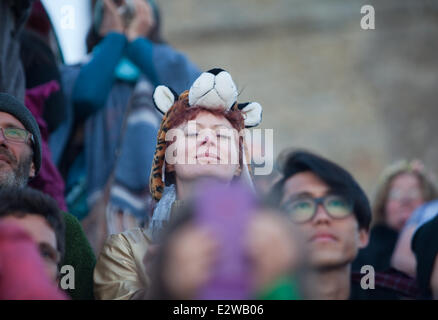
(364,237)
(32,171)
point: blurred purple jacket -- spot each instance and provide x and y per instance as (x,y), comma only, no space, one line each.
(49,179)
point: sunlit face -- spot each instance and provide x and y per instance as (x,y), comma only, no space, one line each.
(207,146)
(403,198)
(45,238)
(330,242)
(16,165)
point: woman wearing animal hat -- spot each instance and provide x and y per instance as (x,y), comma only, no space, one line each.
(198,138)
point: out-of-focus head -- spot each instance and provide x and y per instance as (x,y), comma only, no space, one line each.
(41,67)
(425,247)
(326,204)
(40,217)
(201,132)
(240,228)
(402,188)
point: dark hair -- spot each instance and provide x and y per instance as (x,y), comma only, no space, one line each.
(23,201)
(40,66)
(337,178)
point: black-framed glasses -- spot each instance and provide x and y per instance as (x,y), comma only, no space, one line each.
(16,135)
(303,209)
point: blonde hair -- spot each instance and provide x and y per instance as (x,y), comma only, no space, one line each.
(416,167)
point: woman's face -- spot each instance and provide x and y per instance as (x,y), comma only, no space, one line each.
(404,197)
(207,146)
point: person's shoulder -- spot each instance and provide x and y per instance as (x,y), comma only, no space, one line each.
(76,241)
(378,293)
(68,217)
(134,240)
(72,224)
(425,212)
(134,235)
(120,272)
(389,285)
(129,248)
(429,211)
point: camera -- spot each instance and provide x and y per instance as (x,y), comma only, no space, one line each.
(126,10)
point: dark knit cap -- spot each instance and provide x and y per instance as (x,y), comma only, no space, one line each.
(11,105)
(425,246)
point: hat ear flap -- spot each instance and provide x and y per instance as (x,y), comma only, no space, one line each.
(164,98)
(252,113)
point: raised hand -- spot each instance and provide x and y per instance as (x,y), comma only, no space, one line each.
(111,21)
(143,21)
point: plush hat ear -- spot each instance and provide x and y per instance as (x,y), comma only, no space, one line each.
(164,98)
(213,89)
(252,113)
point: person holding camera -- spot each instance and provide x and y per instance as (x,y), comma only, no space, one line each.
(110,145)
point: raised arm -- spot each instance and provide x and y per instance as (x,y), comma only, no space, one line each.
(96,78)
(403,258)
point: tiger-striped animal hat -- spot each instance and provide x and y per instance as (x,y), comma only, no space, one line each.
(212,89)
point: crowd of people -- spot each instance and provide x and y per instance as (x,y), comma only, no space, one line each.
(127,176)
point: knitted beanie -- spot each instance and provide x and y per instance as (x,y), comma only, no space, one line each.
(11,105)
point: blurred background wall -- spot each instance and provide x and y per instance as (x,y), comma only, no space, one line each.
(363,98)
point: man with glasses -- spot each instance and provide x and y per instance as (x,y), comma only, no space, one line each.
(20,160)
(333,216)
(20,148)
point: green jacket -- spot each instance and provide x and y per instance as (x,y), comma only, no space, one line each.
(80,255)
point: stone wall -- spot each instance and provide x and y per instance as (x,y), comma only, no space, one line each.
(361,98)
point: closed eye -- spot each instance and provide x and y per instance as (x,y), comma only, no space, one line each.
(223,136)
(192,134)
